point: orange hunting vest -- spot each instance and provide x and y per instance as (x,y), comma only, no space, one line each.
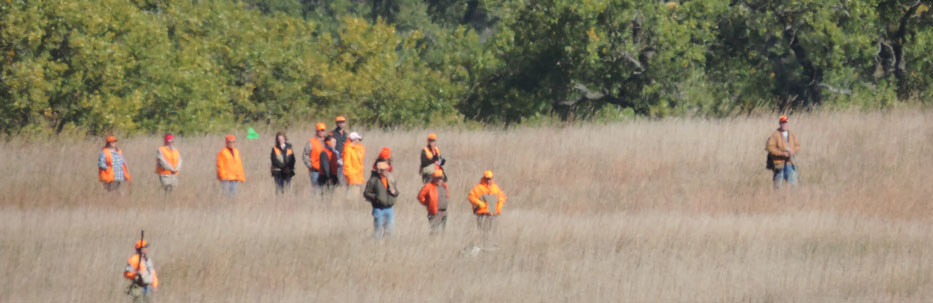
(316,149)
(106,175)
(171,156)
(428,152)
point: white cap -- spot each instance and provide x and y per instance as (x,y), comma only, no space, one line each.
(355,136)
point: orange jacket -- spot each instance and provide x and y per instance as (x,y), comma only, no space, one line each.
(133,263)
(317,147)
(483,192)
(171,156)
(230,166)
(106,175)
(353,163)
(428,196)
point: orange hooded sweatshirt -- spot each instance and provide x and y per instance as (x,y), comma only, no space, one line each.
(353,163)
(230,166)
(484,192)
(428,196)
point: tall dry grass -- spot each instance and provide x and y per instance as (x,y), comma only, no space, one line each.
(643,211)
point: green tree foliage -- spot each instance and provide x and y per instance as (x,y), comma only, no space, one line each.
(155,65)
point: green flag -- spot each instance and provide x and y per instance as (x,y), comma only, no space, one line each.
(251,134)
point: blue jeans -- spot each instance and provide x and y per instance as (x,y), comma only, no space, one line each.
(229,187)
(383,222)
(343,179)
(315,177)
(788,173)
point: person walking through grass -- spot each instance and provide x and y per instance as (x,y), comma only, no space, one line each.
(381,192)
(330,164)
(782,147)
(487,199)
(111,166)
(353,155)
(434,196)
(431,160)
(340,133)
(230,167)
(168,162)
(283,163)
(311,155)
(141,273)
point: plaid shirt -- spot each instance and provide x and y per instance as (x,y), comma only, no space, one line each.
(117,163)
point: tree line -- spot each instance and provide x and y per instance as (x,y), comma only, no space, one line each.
(193,66)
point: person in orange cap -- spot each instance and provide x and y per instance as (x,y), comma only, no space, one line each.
(385,155)
(381,192)
(782,147)
(311,155)
(487,199)
(111,166)
(168,162)
(143,275)
(431,160)
(340,133)
(434,196)
(230,166)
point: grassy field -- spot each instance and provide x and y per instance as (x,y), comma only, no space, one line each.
(642,211)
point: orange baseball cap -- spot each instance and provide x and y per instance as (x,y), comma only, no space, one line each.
(438,173)
(111,139)
(320,126)
(230,138)
(783,118)
(432,136)
(341,119)
(141,244)
(487,174)
(385,153)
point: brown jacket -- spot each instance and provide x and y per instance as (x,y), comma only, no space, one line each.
(776,147)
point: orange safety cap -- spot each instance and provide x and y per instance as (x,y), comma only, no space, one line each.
(385,153)
(341,119)
(432,136)
(783,119)
(438,173)
(487,174)
(230,138)
(141,244)
(321,126)
(111,139)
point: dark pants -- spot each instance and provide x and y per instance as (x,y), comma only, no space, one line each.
(438,221)
(113,186)
(485,222)
(282,184)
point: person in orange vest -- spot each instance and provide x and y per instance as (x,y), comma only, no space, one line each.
(111,166)
(168,162)
(487,199)
(340,133)
(230,167)
(283,163)
(331,161)
(353,154)
(434,196)
(143,275)
(311,155)
(782,147)
(431,160)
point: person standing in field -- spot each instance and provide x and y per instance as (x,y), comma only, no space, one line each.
(230,167)
(140,271)
(487,199)
(168,162)
(782,147)
(311,155)
(434,196)
(340,134)
(353,154)
(283,163)
(381,192)
(330,163)
(111,166)
(431,160)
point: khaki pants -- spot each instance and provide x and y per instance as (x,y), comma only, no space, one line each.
(438,221)
(168,182)
(140,294)
(113,186)
(485,222)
